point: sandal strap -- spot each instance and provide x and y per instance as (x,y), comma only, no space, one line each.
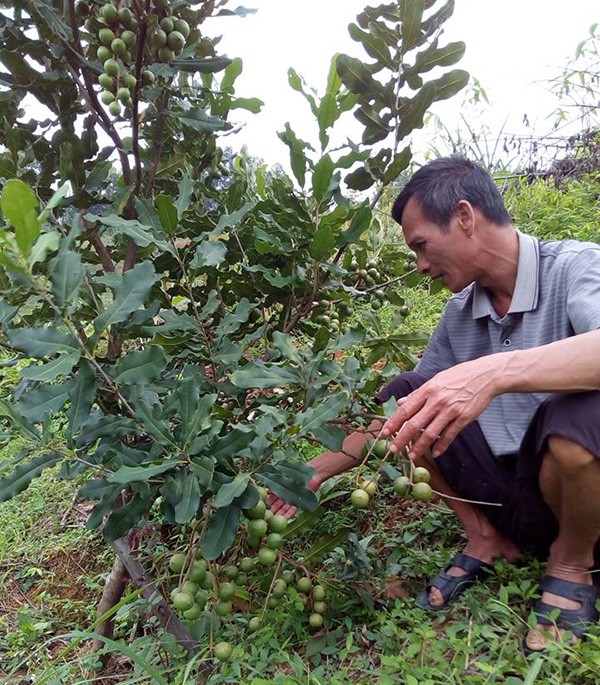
(468,563)
(578,621)
(578,592)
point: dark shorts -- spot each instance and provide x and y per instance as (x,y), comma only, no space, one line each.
(474,473)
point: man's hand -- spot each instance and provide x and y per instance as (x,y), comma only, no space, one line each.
(435,413)
(283,508)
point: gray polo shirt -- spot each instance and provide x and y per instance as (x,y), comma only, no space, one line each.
(557,295)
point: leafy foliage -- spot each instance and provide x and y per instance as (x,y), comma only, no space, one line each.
(165,296)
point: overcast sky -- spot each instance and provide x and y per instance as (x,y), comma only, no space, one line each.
(513,48)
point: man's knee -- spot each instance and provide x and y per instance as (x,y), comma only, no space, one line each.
(567,454)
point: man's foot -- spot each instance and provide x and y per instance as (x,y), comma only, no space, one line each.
(485,551)
(575,597)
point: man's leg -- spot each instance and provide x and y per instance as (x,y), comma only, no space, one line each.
(469,454)
(570,484)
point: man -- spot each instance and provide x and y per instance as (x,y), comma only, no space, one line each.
(523,322)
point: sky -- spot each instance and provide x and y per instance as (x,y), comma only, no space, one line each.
(513,48)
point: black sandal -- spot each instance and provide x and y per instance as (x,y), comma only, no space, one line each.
(452,587)
(578,621)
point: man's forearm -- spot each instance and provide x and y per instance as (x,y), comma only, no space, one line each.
(568,365)
(330,464)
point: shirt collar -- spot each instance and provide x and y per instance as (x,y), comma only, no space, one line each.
(527,287)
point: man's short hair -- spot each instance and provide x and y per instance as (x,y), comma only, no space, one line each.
(441,184)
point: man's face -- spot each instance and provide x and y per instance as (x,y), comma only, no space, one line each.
(443,255)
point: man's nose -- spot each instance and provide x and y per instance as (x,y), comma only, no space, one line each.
(423,266)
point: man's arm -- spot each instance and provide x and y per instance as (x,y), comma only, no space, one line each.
(434,414)
(328,464)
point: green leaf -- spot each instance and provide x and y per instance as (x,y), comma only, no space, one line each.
(233,70)
(154,424)
(327,115)
(44,245)
(357,77)
(21,477)
(231,444)
(133,474)
(36,404)
(209,253)
(27,429)
(140,368)
(19,206)
(315,417)
(186,190)
(130,295)
(66,274)
(331,437)
(230,491)
(140,234)
(413,110)
(411,16)
(374,46)
(439,57)
(221,531)
(322,177)
(40,343)
(208,65)
(123,519)
(298,160)
(187,507)
(81,398)
(322,243)
(288,481)
(449,84)
(203,468)
(194,410)
(260,377)
(167,213)
(359,179)
(253,105)
(285,344)
(61,366)
(398,165)
(199,121)
(324,545)
(360,224)
(227,221)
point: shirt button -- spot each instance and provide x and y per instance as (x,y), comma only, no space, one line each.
(506,342)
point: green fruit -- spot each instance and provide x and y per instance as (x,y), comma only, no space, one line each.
(273,602)
(318,593)
(106,81)
(193,612)
(279,588)
(177,562)
(176,41)
(103,53)
(373,273)
(123,94)
(190,586)
(380,295)
(274,540)
(126,17)
(421,475)
(359,499)
(106,36)
(128,37)
(118,47)
(315,620)
(376,304)
(288,575)
(268,515)
(201,598)
(267,556)
(232,572)
(256,512)
(278,524)
(242,579)
(263,493)
(223,608)
(401,485)
(166,54)
(378,448)
(369,486)
(198,571)
(109,13)
(107,97)
(320,607)
(114,108)
(158,39)
(226,591)
(247,564)
(404,310)
(148,77)
(208,582)
(253,541)
(183,601)
(166,24)
(353,266)
(422,492)
(223,650)
(254,624)
(182,26)
(129,80)
(111,67)
(304,584)
(258,528)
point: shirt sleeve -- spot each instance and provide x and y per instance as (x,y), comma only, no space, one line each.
(583,294)
(438,354)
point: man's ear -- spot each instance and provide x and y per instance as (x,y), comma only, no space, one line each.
(464,215)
